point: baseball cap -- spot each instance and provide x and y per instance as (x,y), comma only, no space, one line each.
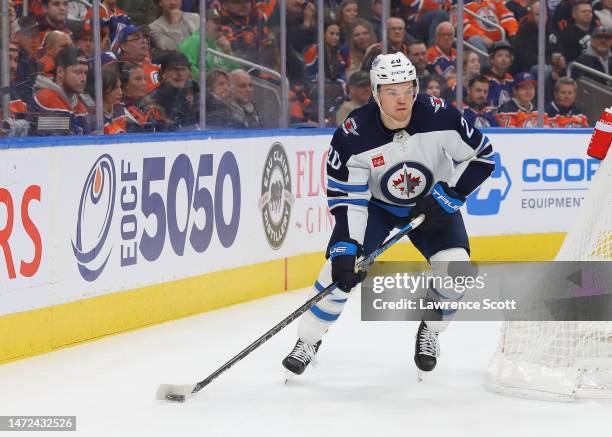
(600,31)
(129,30)
(70,55)
(173,59)
(359,78)
(501,45)
(28,25)
(523,78)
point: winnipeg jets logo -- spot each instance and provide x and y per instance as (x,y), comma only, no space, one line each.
(350,126)
(405,183)
(437,103)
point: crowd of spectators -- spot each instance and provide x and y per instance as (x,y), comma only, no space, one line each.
(150,63)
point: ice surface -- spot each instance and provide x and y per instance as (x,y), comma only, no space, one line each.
(366,384)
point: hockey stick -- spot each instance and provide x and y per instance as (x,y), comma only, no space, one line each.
(179,393)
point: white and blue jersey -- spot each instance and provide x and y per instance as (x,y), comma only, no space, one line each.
(369,164)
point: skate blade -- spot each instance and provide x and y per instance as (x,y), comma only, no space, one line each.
(289,375)
(419,375)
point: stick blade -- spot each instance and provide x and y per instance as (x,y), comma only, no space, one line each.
(174,393)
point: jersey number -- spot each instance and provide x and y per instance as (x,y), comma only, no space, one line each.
(468,130)
(333,158)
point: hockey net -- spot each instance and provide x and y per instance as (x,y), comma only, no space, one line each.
(564,360)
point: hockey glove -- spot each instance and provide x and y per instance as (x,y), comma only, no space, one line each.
(438,207)
(343,255)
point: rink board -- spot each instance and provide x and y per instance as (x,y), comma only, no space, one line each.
(99,237)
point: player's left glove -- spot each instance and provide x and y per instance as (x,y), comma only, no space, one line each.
(438,207)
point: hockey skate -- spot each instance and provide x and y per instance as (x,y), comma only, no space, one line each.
(299,358)
(426,350)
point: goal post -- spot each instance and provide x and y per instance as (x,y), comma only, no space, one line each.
(564,360)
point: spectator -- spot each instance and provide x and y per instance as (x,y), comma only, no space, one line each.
(17,105)
(575,38)
(441,57)
(375,18)
(334,64)
(27,37)
(346,15)
(173,25)
(423,18)
(471,69)
(500,80)
(432,86)
(134,46)
(476,107)
(483,35)
(54,42)
(519,112)
(55,14)
(563,15)
(604,15)
(112,20)
(597,55)
(246,28)
(219,114)
(175,100)
(361,92)
(353,51)
(396,32)
(561,111)
(83,39)
(215,40)
(62,94)
(241,92)
(526,40)
(417,53)
(114,114)
(301,24)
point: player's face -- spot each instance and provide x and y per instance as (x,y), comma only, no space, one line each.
(525,93)
(396,100)
(57,10)
(136,87)
(74,78)
(332,36)
(566,95)
(478,92)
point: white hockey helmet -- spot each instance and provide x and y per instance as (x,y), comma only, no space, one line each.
(392,68)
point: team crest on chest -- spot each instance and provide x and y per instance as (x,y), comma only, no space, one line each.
(406,182)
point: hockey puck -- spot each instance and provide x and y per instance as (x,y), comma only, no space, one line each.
(176,398)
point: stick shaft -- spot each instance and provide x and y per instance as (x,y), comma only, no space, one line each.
(363,265)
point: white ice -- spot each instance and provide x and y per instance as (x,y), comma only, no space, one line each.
(365,385)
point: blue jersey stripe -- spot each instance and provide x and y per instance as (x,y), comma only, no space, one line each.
(358,202)
(324,315)
(346,187)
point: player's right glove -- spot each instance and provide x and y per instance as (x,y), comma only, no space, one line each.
(438,207)
(343,255)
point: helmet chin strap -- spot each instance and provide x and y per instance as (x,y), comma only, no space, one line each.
(389,121)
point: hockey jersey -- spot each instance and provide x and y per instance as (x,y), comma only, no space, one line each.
(116,20)
(439,63)
(480,117)
(511,114)
(394,169)
(565,117)
(491,10)
(500,90)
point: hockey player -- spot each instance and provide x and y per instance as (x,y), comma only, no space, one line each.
(402,155)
